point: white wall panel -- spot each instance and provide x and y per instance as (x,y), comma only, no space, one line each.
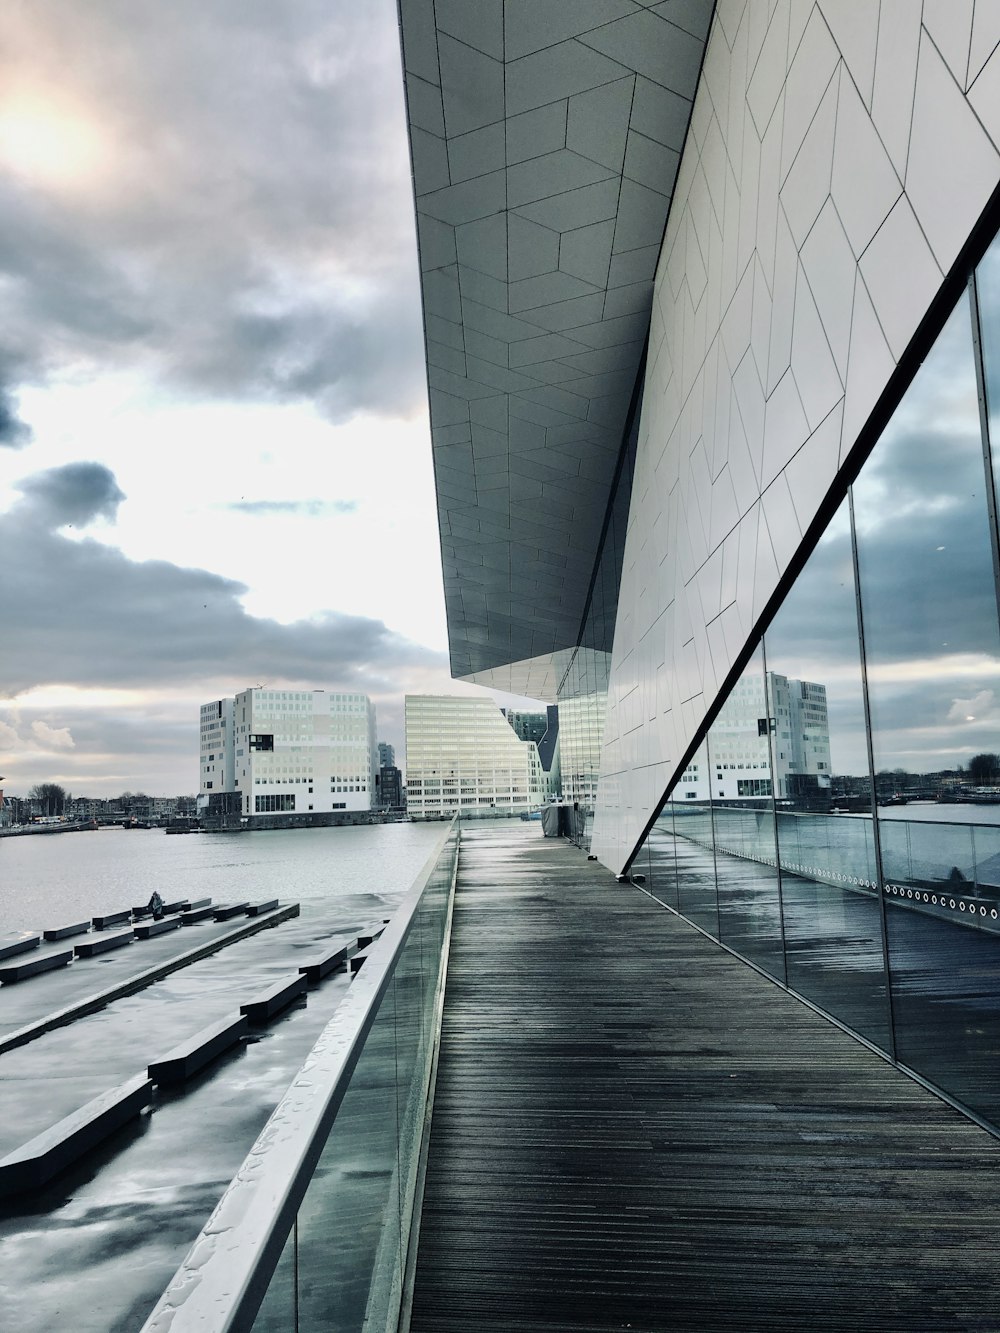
(840,152)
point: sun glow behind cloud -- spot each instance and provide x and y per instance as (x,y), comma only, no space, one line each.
(51,142)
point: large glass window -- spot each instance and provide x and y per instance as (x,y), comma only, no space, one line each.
(695,845)
(826,843)
(932,648)
(742,791)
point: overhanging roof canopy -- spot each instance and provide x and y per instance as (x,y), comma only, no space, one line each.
(545,139)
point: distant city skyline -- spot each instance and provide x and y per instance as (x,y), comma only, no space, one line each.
(214,456)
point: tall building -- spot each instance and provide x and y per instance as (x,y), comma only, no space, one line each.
(771,738)
(463,755)
(386,755)
(527,726)
(390,788)
(712,309)
(272,752)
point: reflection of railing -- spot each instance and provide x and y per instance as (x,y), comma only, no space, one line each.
(944,867)
(317,1218)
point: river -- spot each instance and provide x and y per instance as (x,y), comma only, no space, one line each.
(50,879)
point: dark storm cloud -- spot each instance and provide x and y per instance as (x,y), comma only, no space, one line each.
(74,495)
(88,616)
(248,230)
(14,433)
(306,508)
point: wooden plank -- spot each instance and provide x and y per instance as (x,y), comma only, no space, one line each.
(658,1137)
(50,1152)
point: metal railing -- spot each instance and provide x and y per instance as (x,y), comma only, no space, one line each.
(313,1230)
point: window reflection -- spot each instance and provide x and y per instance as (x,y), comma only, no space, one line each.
(826,846)
(695,845)
(741,783)
(932,648)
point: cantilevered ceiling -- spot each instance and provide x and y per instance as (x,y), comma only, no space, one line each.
(545,139)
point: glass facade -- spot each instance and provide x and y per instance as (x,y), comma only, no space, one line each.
(839,826)
(583,692)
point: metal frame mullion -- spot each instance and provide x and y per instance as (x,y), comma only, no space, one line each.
(879,876)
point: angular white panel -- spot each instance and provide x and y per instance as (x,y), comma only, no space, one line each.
(869,367)
(536,132)
(812,68)
(813,367)
(598,121)
(811,472)
(949,23)
(807,184)
(947,186)
(652,47)
(829,266)
(770,70)
(782,523)
(785,428)
(472,86)
(558,71)
(985,38)
(478,152)
(864,184)
(533,24)
(477,23)
(901,274)
(895,76)
(854,24)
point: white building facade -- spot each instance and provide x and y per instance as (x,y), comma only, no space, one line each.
(271,752)
(463,755)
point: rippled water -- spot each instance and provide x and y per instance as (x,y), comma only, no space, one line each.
(50,879)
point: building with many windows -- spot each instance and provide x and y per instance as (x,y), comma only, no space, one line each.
(712,311)
(302,753)
(462,754)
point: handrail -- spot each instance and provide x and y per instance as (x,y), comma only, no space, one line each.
(223,1279)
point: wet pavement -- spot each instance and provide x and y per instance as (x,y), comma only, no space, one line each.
(94,1249)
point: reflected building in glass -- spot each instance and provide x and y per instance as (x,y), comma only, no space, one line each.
(712,305)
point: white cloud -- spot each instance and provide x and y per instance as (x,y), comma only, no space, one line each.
(52,738)
(980,708)
(8,736)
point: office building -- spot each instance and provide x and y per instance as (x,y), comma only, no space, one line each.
(301,753)
(386,755)
(462,754)
(527,726)
(712,312)
(390,788)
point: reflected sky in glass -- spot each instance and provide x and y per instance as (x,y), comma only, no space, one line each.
(931,640)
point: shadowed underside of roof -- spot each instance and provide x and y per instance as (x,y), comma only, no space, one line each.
(545,140)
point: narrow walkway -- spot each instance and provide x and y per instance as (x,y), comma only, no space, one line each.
(634,1130)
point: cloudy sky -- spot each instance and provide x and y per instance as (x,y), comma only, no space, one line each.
(214,452)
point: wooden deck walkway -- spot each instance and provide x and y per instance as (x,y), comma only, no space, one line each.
(634,1130)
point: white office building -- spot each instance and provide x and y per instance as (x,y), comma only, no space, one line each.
(217,772)
(462,754)
(288,752)
(739,763)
